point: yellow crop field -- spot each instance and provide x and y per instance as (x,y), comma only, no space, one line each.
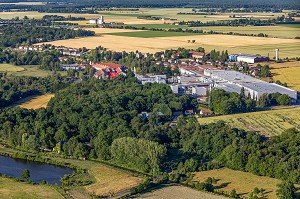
(34,102)
(242,182)
(10,189)
(268,123)
(110,181)
(272,31)
(234,44)
(178,192)
(287,72)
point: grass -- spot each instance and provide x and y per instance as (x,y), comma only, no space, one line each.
(26,70)
(287,72)
(107,179)
(10,189)
(151,34)
(10,68)
(163,26)
(243,182)
(268,123)
(177,192)
(34,102)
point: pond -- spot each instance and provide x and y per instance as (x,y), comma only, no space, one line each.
(38,171)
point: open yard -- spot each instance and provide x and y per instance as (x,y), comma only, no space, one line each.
(150,41)
(34,102)
(267,123)
(287,72)
(178,192)
(243,182)
(10,189)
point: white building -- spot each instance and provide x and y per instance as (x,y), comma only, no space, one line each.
(252,58)
(199,91)
(233,81)
(99,21)
(160,79)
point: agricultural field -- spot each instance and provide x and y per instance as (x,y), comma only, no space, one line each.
(151,34)
(242,182)
(287,72)
(10,189)
(177,192)
(157,41)
(268,123)
(107,180)
(34,102)
(290,31)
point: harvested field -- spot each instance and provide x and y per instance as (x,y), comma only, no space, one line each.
(268,123)
(178,192)
(234,44)
(34,102)
(243,182)
(110,181)
(272,31)
(288,72)
(10,189)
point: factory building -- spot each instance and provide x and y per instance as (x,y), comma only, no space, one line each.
(252,58)
(99,21)
(233,81)
(247,58)
(160,79)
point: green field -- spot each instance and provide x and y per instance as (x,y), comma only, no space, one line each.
(10,68)
(27,70)
(267,123)
(162,26)
(151,34)
(11,189)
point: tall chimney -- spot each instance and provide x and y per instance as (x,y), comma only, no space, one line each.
(277,54)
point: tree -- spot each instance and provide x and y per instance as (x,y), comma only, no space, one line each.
(26,174)
(286,190)
(283,99)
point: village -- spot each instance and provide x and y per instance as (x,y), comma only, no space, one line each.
(198,74)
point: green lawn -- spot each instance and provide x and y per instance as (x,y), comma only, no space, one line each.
(10,68)
(11,189)
(163,26)
(151,34)
(26,70)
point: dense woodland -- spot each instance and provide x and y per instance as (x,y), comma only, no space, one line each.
(102,120)
(12,35)
(14,88)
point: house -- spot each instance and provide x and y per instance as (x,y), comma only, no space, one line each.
(188,112)
(204,112)
(108,70)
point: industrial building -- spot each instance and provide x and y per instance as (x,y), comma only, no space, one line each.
(160,79)
(99,21)
(233,81)
(247,58)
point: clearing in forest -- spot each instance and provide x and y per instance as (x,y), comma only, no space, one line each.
(34,102)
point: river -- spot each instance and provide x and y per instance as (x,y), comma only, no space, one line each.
(38,171)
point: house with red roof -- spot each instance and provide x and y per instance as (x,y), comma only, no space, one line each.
(108,70)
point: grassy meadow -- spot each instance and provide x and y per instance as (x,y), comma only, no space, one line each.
(26,70)
(268,123)
(11,189)
(177,192)
(34,102)
(242,182)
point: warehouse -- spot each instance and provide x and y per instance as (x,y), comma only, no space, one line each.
(233,81)
(252,58)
